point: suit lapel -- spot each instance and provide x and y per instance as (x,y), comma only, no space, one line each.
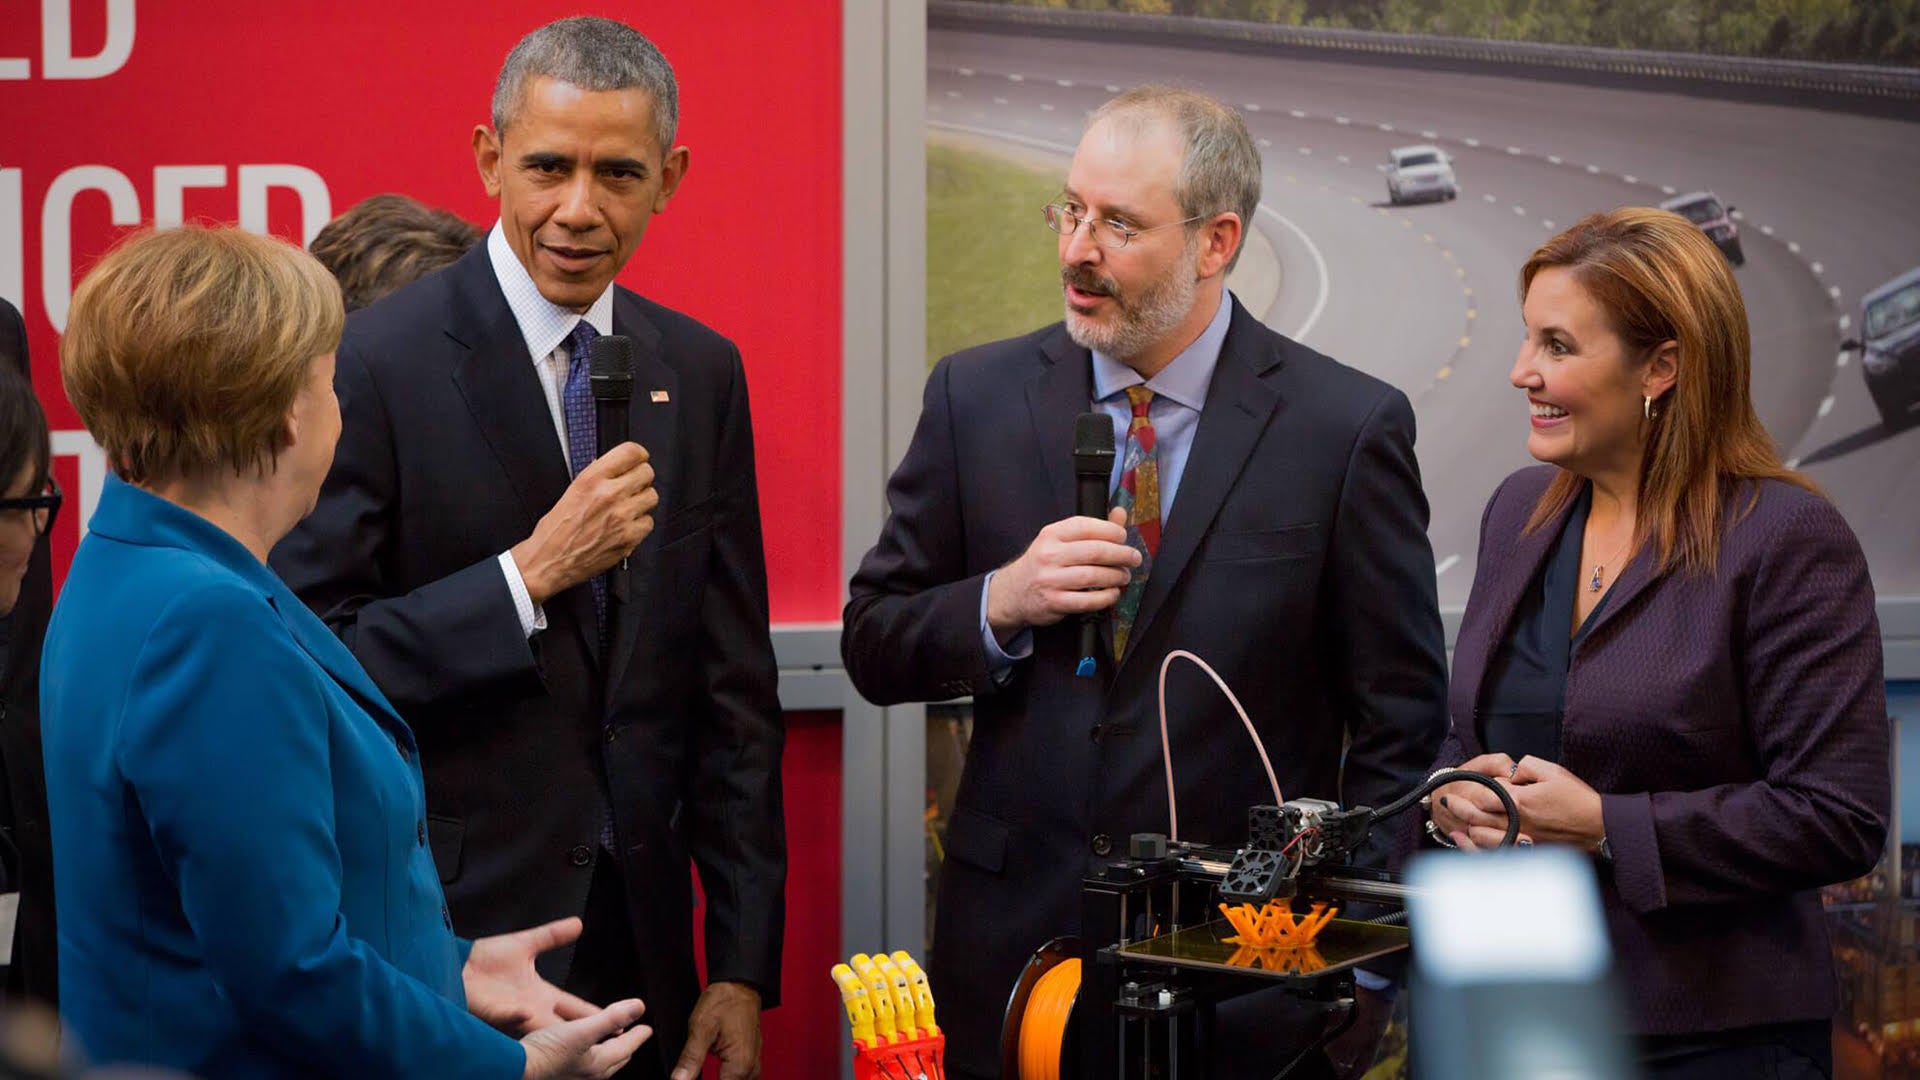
(327,650)
(1238,406)
(1056,397)
(1510,578)
(495,377)
(655,425)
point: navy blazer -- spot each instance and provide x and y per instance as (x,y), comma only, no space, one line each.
(448,457)
(1735,725)
(1295,562)
(243,880)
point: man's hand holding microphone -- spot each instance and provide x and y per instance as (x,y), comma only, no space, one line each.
(605,513)
(1075,566)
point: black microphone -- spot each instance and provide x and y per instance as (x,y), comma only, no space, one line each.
(610,370)
(1092,469)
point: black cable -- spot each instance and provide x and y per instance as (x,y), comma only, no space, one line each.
(1325,1040)
(1442,779)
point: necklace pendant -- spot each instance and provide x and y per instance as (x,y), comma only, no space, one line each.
(1594,584)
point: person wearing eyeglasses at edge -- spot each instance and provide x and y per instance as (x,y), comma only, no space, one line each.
(243,880)
(29,500)
(26,598)
(1670,656)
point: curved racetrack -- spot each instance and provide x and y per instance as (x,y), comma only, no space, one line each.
(1423,296)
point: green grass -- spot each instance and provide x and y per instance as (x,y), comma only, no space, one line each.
(993,269)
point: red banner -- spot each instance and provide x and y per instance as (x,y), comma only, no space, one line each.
(118,113)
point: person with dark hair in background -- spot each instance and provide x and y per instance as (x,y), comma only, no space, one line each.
(581,750)
(244,880)
(28,498)
(387,241)
(1273,525)
(34,970)
(1670,655)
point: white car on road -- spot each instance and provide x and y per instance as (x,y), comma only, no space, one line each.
(1420,172)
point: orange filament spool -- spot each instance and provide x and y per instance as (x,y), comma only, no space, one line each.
(1043,1030)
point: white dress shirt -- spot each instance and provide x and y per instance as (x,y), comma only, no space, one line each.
(545,326)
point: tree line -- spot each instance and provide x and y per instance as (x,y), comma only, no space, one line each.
(1842,31)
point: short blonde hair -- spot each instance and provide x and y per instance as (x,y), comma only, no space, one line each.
(185,349)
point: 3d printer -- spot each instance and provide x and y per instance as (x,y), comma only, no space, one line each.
(1176,928)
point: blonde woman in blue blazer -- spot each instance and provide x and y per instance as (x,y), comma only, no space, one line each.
(243,879)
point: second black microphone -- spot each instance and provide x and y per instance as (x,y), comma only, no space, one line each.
(610,370)
(1092,470)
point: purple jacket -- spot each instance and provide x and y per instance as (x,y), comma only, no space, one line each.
(1735,725)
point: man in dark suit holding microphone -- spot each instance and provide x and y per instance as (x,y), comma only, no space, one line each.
(595,696)
(1273,524)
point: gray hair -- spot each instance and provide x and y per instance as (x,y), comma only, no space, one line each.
(592,54)
(1221,169)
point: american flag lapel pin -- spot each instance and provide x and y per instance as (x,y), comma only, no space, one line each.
(658,397)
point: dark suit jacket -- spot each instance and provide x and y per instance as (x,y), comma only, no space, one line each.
(1295,562)
(449,457)
(35,968)
(1735,725)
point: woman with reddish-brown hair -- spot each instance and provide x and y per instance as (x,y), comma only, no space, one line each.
(1670,655)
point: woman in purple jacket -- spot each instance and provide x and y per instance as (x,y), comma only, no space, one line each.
(1670,655)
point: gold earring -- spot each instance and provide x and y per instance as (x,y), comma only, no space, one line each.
(1646,408)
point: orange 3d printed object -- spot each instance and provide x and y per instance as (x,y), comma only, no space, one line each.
(1273,925)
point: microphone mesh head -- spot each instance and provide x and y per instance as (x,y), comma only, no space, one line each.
(1092,433)
(611,357)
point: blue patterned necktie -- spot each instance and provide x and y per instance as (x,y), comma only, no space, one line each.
(576,401)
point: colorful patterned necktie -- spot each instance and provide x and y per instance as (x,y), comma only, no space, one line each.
(1139,495)
(576,401)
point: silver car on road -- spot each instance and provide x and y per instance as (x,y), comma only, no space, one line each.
(1418,173)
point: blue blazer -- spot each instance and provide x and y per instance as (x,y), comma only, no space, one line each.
(243,881)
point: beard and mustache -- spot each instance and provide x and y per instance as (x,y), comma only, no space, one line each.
(1141,320)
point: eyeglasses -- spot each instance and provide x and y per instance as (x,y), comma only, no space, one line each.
(37,510)
(1108,234)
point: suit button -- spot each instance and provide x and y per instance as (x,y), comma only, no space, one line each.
(1096,731)
(581,855)
(612,733)
(1103,844)
(420,830)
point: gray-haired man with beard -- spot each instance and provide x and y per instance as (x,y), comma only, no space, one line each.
(1267,515)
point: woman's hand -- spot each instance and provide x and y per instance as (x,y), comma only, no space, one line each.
(504,989)
(1556,807)
(1470,814)
(588,1049)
